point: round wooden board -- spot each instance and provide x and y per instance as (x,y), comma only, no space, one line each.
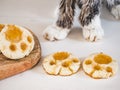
(10,67)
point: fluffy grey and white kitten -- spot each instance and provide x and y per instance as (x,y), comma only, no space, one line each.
(89,18)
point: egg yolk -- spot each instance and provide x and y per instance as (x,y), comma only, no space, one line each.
(66,64)
(12,47)
(60,55)
(109,69)
(88,62)
(23,46)
(97,67)
(102,59)
(75,60)
(52,63)
(29,39)
(13,34)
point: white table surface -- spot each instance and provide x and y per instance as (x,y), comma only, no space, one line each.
(37,15)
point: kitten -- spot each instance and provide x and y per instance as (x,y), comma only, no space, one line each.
(89,18)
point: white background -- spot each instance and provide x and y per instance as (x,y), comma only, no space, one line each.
(37,15)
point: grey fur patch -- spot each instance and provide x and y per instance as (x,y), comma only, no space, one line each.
(89,9)
(66,13)
(111,3)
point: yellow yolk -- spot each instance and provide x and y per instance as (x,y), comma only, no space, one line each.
(13,34)
(102,59)
(109,69)
(29,39)
(12,47)
(97,67)
(52,63)
(75,60)
(61,55)
(23,46)
(66,64)
(88,62)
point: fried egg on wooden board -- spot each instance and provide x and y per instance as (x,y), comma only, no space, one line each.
(100,66)
(61,63)
(16,42)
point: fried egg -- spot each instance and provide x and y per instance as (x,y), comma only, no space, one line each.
(61,63)
(16,42)
(100,66)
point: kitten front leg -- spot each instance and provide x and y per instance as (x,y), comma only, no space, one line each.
(114,7)
(90,20)
(64,22)
(93,31)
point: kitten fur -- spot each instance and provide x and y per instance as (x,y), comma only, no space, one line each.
(89,18)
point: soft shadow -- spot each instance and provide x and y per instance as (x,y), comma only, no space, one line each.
(76,34)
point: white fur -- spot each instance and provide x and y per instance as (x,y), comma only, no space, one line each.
(56,12)
(116,11)
(55,33)
(93,31)
(110,2)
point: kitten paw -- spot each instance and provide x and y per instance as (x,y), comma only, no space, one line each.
(53,33)
(93,33)
(116,11)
